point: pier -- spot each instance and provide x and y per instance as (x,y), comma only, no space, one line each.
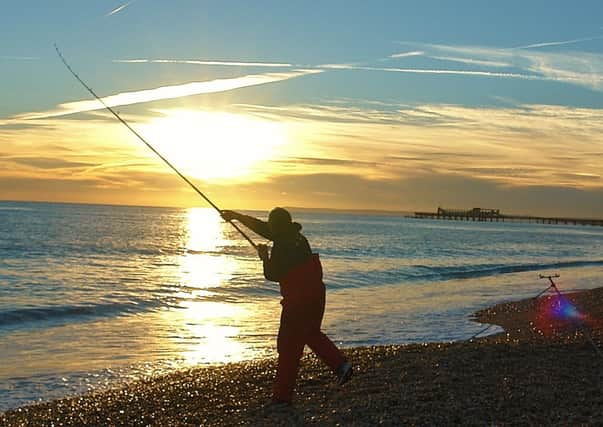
(494,215)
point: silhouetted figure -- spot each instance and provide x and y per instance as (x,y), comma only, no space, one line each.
(299,273)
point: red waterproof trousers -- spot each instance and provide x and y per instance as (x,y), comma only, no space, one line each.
(303,307)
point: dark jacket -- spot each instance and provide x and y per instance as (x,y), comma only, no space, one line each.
(290,249)
(292,264)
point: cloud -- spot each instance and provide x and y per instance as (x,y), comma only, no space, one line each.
(452,72)
(442,71)
(584,69)
(525,145)
(407,54)
(329,161)
(165,92)
(18,58)
(559,43)
(338,66)
(362,155)
(120,8)
(48,162)
(204,62)
(120,187)
(420,192)
(355,66)
(318,113)
(518,118)
(577,68)
(470,61)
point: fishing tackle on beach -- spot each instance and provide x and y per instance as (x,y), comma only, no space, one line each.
(118,117)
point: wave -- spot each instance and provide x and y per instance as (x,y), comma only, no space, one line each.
(235,291)
(25,250)
(62,313)
(14,208)
(484,270)
(422,273)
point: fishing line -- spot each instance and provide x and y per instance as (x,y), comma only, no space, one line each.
(118,117)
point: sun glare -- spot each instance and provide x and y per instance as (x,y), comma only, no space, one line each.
(205,233)
(201,324)
(211,145)
(202,267)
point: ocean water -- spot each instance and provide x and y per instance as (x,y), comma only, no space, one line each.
(92,295)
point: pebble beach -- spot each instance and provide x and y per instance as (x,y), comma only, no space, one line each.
(532,374)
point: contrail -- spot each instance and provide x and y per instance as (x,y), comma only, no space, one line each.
(204,62)
(120,8)
(559,43)
(19,58)
(407,54)
(579,68)
(438,71)
(470,61)
(166,92)
(478,73)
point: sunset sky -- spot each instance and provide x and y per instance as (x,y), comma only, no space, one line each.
(395,105)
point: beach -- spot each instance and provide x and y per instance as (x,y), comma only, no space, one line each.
(527,375)
(93,296)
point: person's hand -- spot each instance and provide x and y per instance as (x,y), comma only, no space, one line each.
(263,252)
(228,215)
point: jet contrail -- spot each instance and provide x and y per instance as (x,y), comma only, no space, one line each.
(470,61)
(407,54)
(166,92)
(559,43)
(120,8)
(19,58)
(204,62)
(441,71)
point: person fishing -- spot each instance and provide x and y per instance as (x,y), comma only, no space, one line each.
(292,264)
(299,273)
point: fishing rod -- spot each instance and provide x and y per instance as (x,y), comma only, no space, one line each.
(118,117)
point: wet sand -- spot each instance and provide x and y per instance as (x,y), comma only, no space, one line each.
(542,371)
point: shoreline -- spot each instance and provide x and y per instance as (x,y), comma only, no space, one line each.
(541,370)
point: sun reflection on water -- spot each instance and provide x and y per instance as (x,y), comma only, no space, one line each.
(206,333)
(205,230)
(203,328)
(205,271)
(203,265)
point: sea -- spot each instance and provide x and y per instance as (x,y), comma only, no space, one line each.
(95,295)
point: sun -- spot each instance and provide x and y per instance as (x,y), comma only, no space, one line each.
(213,145)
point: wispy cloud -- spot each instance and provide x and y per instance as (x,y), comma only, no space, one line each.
(407,54)
(523,145)
(331,162)
(120,8)
(559,43)
(578,68)
(340,146)
(166,92)
(205,62)
(471,61)
(437,71)
(430,71)
(48,162)
(18,58)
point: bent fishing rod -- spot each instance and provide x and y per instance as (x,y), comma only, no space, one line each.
(118,117)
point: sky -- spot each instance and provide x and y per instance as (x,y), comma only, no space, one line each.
(385,105)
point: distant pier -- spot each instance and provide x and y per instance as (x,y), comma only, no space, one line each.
(494,215)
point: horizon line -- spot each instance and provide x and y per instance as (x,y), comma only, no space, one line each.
(390,212)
